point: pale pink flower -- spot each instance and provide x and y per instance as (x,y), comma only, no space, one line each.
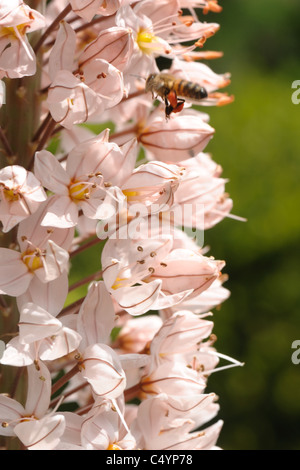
(50,296)
(171,419)
(153,182)
(63,52)
(144,273)
(127,263)
(41,336)
(17,58)
(71,101)
(148,190)
(20,195)
(99,364)
(173,379)
(83,184)
(212,297)
(181,137)
(101,367)
(199,73)
(137,333)
(158,25)
(158,28)
(115,45)
(36,429)
(179,335)
(148,45)
(204,190)
(183,270)
(87,9)
(103,429)
(43,254)
(75,99)
(96,84)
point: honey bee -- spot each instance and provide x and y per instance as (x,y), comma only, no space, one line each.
(169,88)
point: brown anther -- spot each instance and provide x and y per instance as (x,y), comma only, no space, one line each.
(42,378)
(140,248)
(142,261)
(107,185)
(50,230)
(200,42)
(152,254)
(213,338)
(4,424)
(98,173)
(23,238)
(164,265)
(151,270)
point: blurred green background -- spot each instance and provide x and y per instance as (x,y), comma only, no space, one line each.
(257,142)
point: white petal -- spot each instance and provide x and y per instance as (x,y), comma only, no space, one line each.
(50,296)
(10,410)
(56,262)
(138,299)
(51,173)
(36,324)
(62,212)
(17,354)
(96,316)
(60,345)
(43,434)
(62,53)
(14,275)
(103,370)
(39,390)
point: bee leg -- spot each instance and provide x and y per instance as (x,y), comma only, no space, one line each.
(168,108)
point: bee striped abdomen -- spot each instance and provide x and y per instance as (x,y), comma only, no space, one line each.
(190,90)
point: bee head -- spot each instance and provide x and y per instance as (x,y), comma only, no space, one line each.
(150,82)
